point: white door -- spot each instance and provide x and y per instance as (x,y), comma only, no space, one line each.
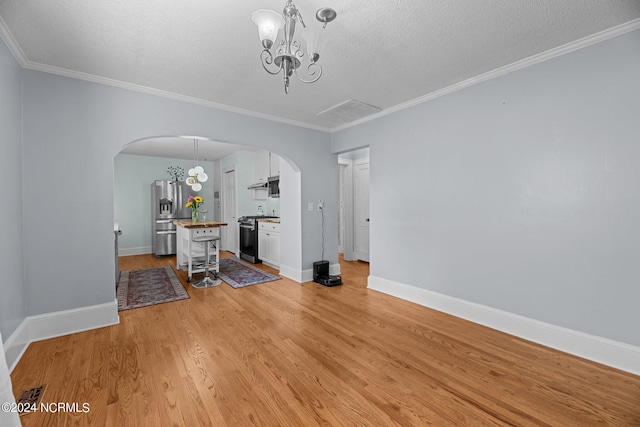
(231,232)
(361,197)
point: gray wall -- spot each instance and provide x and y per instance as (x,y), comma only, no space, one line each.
(521,193)
(133,176)
(72,131)
(12,302)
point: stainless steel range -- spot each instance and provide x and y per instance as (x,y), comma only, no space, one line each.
(249,237)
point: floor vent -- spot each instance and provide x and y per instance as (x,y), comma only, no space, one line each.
(30,398)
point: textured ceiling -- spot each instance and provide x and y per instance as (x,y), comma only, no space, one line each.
(381,53)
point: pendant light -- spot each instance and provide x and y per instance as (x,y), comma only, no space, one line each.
(196,174)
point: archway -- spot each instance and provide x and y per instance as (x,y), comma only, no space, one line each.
(147,159)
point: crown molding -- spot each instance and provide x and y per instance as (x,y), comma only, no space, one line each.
(618,30)
(162,93)
(12,44)
(17,52)
(515,66)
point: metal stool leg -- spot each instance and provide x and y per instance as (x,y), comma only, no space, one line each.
(207,282)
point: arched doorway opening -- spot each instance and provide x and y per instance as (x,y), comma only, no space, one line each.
(226,194)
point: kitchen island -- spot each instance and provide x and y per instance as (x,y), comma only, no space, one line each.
(190,254)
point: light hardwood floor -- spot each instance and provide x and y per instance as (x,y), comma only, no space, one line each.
(286,354)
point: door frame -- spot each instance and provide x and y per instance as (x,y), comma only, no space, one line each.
(361,255)
(346,209)
(232,223)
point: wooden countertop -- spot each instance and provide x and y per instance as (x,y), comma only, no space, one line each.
(186,223)
(275,220)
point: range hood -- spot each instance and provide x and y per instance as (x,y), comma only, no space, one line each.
(257,186)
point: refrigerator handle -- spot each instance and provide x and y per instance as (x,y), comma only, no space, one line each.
(178,204)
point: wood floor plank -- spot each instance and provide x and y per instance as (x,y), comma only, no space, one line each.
(288,354)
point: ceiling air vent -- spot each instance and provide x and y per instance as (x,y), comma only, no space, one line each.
(348,111)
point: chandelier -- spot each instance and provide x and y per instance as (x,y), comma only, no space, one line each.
(289,54)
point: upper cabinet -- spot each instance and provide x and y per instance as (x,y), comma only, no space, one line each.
(274,164)
(260,166)
(265,164)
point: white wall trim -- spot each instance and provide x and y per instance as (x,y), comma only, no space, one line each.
(346,181)
(135,251)
(509,68)
(303,276)
(17,52)
(163,93)
(334,270)
(602,350)
(307,275)
(12,44)
(291,273)
(57,324)
(609,33)
(17,344)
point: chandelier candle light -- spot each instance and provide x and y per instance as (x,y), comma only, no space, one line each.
(196,174)
(289,55)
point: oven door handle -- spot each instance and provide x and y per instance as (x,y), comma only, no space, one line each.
(251,227)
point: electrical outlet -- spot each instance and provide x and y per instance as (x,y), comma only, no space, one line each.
(310,206)
(320,205)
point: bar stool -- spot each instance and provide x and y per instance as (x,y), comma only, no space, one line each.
(207,282)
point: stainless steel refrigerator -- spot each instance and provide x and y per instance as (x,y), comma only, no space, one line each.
(167,204)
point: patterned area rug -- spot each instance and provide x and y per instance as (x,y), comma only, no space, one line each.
(239,274)
(141,288)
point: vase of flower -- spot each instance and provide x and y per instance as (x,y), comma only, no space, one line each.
(193,202)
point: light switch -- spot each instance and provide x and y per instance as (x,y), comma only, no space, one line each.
(311,206)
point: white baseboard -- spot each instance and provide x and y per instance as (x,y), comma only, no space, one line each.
(17,344)
(291,273)
(334,269)
(602,350)
(307,275)
(135,251)
(302,276)
(51,325)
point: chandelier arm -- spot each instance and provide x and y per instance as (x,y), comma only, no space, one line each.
(266,59)
(312,72)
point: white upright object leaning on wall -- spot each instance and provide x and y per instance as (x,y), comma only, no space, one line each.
(7,401)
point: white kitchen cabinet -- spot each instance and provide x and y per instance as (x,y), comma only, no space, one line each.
(274,165)
(269,243)
(265,164)
(260,166)
(260,173)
